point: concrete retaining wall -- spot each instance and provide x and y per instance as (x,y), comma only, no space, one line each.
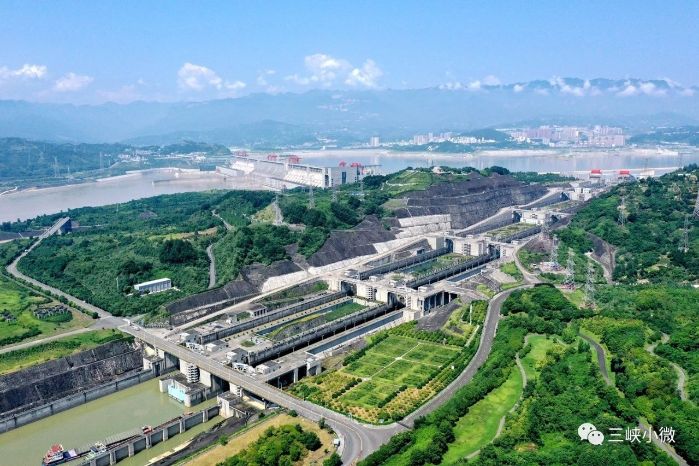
(40,412)
(159,434)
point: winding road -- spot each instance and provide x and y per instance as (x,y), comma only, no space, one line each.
(601,361)
(212,266)
(358,439)
(681,374)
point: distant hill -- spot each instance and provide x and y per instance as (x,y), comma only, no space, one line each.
(350,115)
(682,135)
(26,160)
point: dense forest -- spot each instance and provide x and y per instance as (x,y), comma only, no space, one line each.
(25,160)
(277,446)
(650,244)
(647,326)
(119,246)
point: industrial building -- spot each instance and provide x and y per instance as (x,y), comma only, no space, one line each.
(154,286)
(288,172)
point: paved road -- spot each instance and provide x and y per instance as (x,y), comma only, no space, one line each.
(357,439)
(681,374)
(29,344)
(601,362)
(212,266)
(225,223)
(12,269)
(490,327)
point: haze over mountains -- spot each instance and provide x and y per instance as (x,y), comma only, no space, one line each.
(351,116)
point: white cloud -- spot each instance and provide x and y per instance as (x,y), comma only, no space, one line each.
(26,71)
(300,80)
(262,78)
(491,80)
(366,76)
(451,86)
(72,82)
(643,88)
(197,78)
(518,88)
(651,89)
(325,70)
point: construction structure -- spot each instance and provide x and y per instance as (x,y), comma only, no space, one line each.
(287,171)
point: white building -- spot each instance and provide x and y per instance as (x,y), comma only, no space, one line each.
(154,286)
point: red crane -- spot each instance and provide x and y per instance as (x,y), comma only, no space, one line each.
(356,165)
(272,157)
(342,163)
(294,159)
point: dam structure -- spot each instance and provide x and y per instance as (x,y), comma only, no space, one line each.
(287,171)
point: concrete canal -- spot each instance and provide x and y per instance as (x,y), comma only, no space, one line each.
(83,425)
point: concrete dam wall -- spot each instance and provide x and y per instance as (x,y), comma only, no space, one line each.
(51,387)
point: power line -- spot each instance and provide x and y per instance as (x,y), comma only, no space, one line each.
(554,252)
(684,244)
(590,284)
(569,281)
(622,208)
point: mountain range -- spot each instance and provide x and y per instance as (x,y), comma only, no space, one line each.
(350,116)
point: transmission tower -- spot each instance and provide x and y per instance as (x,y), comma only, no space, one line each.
(695,214)
(684,244)
(554,252)
(676,190)
(334,193)
(311,197)
(545,230)
(277,210)
(590,284)
(569,281)
(361,187)
(622,209)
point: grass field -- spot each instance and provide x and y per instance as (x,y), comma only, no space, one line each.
(529,258)
(510,229)
(510,268)
(242,440)
(388,381)
(21,359)
(20,302)
(480,425)
(340,311)
(435,264)
(540,345)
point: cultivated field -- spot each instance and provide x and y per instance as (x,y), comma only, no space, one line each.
(398,371)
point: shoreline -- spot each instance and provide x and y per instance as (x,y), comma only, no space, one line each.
(111,179)
(539,152)
(310,155)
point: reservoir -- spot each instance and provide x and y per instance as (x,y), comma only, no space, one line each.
(30,203)
(84,425)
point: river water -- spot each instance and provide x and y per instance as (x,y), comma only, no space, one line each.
(30,203)
(84,425)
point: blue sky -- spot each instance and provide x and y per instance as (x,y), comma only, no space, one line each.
(93,51)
